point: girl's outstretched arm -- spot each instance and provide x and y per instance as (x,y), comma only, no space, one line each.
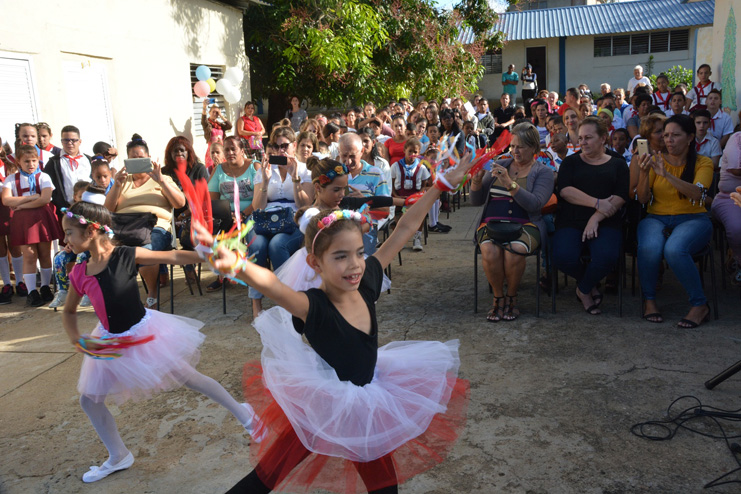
(261,279)
(146,257)
(411,220)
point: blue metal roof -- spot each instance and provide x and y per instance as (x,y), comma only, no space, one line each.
(607,18)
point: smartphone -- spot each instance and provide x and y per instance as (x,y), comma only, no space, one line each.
(138,165)
(278,160)
(642,146)
(212,100)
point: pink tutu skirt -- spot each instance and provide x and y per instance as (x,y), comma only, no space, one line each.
(411,413)
(297,274)
(162,364)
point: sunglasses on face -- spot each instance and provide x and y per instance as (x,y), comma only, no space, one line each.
(283,147)
(69,141)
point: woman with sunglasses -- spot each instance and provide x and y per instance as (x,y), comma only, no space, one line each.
(277,187)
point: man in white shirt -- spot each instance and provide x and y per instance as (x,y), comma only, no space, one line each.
(638,78)
(68,168)
(706,144)
(721,125)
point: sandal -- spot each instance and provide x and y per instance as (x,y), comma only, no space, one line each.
(496,312)
(688,324)
(511,312)
(592,308)
(599,297)
(654,317)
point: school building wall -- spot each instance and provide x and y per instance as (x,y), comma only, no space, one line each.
(113,68)
(580,65)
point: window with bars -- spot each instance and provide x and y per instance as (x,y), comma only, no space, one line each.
(217,72)
(640,43)
(492,62)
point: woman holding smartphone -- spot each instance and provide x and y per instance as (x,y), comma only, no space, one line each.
(147,192)
(282,183)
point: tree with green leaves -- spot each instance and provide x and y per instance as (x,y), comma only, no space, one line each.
(352,51)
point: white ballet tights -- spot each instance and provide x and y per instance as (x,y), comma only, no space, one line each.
(105,424)
(211,388)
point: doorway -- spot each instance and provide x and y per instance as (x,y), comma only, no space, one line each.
(535,56)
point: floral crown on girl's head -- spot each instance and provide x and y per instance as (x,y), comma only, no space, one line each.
(84,221)
(332,173)
(340,214)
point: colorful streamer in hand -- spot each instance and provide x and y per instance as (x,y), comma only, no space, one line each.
(233,240)
(110,346)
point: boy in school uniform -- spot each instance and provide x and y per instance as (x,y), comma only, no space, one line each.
(705,143)
(68,168)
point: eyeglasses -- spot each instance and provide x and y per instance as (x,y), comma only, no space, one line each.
(69,141)
(283,147)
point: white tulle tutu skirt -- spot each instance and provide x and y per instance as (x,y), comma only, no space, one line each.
(162,364)
(297,274)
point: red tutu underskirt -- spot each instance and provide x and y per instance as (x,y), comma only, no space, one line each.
(276,455)
(31,226)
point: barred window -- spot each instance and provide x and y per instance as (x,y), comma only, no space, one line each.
(492,62)
(217,72)
(640,43)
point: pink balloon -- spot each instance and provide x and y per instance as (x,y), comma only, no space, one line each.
(202,89)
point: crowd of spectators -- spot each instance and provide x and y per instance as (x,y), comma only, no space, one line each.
(575,173)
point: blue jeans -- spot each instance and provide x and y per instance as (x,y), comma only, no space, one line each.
(161,240)
(370,240)
(604,251)
(676,238)
(278,248)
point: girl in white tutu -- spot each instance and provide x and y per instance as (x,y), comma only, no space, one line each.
(344,415)
(109,279)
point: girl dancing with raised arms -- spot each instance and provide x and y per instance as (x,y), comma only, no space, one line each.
(109,279)
(344,415)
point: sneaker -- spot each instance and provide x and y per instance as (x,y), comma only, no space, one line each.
(46,294)
(6,295)
(59,298)
(34,299)
(417,242)
(21,290)
(443,226)
(85,302)
(437,229)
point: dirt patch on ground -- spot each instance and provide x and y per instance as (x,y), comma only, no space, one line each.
(552,398)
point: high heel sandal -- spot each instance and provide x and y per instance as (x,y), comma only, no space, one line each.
(692,324)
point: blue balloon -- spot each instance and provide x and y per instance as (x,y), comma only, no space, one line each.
(203,73)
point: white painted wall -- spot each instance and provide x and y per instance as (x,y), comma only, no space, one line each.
(581,64)
(144,47)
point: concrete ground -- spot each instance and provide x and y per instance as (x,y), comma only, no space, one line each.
(552,398)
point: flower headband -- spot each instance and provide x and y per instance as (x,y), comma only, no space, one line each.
(84,221)
(331,174)
(344,214)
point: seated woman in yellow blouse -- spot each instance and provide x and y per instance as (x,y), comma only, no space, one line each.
(677,225)
(151,192)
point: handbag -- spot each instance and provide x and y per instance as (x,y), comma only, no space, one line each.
(254,142)
(503,231)
(273,221)
(133,229)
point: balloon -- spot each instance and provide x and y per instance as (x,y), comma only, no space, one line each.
(223,86)
(201,88)
(203,73)
(233,96)
(234,75)
(211,84)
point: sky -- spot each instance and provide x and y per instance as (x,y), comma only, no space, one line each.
(497,5)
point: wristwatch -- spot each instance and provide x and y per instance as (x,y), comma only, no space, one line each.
(513,186)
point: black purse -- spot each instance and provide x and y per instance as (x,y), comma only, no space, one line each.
(503,231)
(273,221)
(133,229)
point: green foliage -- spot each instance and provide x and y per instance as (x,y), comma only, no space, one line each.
(676,74)
(334,52)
